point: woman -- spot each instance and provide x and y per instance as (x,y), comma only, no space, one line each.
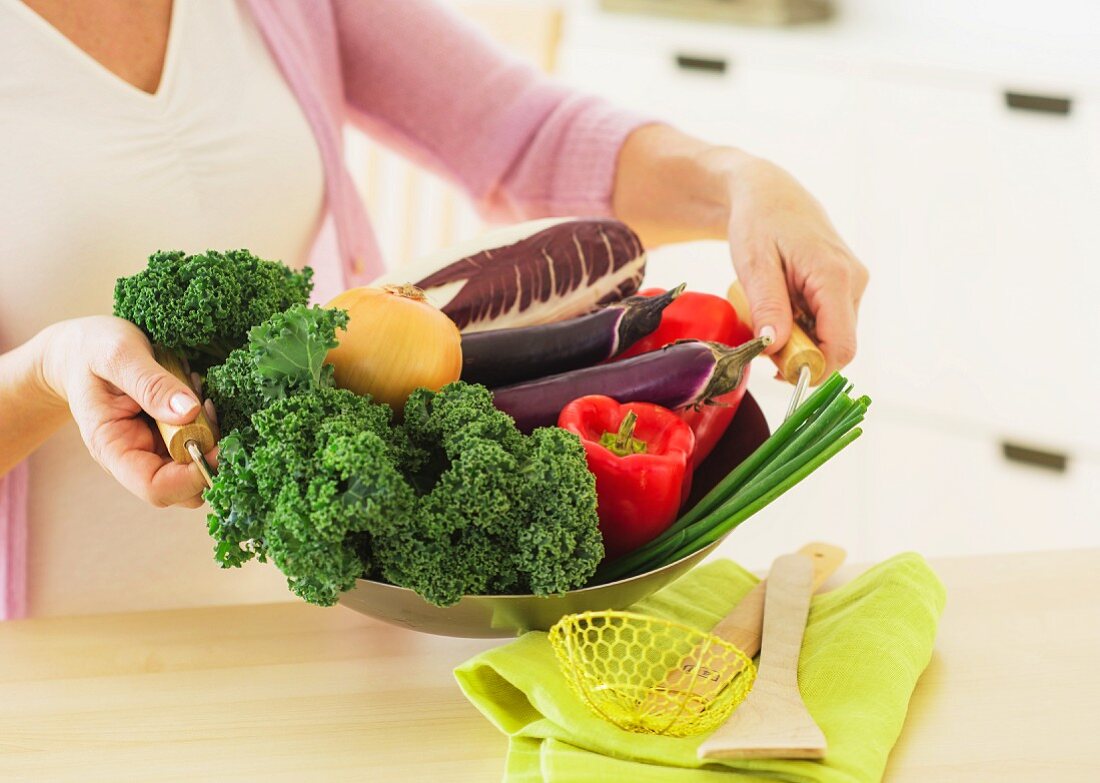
(133,125)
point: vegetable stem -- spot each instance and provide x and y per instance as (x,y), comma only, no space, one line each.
(699,534)
(719,530)
(622,442)
(756,460)
(819,429)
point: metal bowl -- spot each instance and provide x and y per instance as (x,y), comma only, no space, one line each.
(487,616)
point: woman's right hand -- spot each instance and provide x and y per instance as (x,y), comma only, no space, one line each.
(103,368)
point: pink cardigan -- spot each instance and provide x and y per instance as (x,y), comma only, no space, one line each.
(417,77)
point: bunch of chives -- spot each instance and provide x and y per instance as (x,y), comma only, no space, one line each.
(823,425)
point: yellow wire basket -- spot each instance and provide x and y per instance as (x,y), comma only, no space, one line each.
(651,676)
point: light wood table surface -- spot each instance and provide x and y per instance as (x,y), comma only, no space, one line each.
(293,692)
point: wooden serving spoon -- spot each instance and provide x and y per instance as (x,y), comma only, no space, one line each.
(743,628)
(773,722)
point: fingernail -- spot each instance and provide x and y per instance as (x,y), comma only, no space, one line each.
(768,333)
(183,403)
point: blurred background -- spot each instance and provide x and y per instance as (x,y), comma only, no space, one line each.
(956,145)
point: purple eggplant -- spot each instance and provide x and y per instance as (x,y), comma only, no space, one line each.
(530,273)
(502,356)
(688,372)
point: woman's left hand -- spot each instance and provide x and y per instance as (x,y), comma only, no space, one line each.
(785,250)
(671,188)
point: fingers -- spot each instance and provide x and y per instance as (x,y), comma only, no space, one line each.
(157,481)
(130,457)
(212,457)
(836,331)
(831,281)
(834,292)
(126,446)
(211,413)
(761,273)
(109,375)
(132,368)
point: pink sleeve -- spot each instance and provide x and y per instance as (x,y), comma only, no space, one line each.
(423,80)
(13,543)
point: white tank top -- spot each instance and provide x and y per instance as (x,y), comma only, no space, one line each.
(95,175)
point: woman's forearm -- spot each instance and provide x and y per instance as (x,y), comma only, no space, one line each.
(671,187)
(29,410)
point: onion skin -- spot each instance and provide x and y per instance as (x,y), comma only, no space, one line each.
(395,342)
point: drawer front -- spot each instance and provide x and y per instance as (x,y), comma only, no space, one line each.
(943,493)
(913,485)
(690,87)
(983,237)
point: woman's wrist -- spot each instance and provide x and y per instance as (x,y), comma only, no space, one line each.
(47,360)
(726,169)
(30,408)
(671,187)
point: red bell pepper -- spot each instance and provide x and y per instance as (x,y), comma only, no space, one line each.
(699,316)
(640,454)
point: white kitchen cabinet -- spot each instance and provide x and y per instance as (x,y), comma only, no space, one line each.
(980,224)
(915,485)
(982,233)
(945,492)
(777,111)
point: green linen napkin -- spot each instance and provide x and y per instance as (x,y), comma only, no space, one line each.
(866,644)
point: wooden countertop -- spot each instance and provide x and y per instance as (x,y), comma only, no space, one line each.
(293,692)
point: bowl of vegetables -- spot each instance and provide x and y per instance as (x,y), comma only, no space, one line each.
(462,454)
(509,615)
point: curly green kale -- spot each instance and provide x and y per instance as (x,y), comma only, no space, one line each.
(285,355)
(306,467)
(321,475)
(236,393)
(453,501)
(201,306)
(498,512)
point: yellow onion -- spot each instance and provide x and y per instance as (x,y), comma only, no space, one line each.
(395,342)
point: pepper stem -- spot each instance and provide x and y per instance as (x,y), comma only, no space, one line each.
(623,442)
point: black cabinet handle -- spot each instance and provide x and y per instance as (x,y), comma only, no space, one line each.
(1036,458)
(692,62)
(1043,104)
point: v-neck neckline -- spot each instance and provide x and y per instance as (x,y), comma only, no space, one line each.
(87,61)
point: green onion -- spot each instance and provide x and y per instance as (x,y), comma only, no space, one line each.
(759,458)
(751,499)
(723,527)
(819,428)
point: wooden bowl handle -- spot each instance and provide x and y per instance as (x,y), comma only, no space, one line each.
(799,350)
(176,435)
